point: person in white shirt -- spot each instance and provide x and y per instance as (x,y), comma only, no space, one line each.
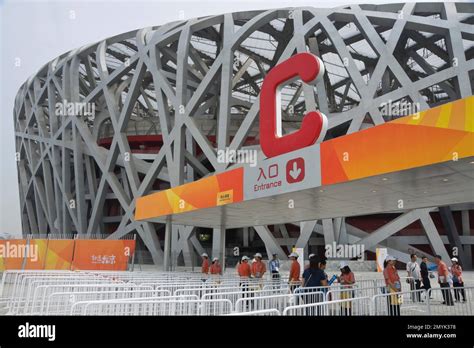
(414,271)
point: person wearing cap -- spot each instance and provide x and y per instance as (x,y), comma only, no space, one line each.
(244,270)
(275,267)
(392,281)
(258,267)
(346,279)
(456,270)
(443,280)
(215,266)
(205,263)
(295,271)
(414,271)
(309,259)
(425,273)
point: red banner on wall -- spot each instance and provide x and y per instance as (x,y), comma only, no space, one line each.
(66,254)
(113,255)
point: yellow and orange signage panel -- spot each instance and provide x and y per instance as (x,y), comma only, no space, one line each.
(59,255)
(37,259)
(433,136)
(113,255)
(220,189)
(14,256)
(437,135)
(2,259)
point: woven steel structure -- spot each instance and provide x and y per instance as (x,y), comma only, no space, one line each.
(106,123)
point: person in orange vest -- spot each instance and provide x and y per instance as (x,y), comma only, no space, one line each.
(295,271)
(215,266)
(443,280)
(205,263)
(244,270)
(456,270)
(392,281)
(258,267)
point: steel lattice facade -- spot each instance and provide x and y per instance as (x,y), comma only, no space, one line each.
(160,102)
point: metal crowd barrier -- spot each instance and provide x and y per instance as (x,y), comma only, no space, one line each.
(184,293)
(451,301)
(263,312)
(60,303)
(158,306)
(350,307)
(400,303)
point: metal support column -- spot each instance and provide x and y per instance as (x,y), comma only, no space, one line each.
(218,245)
(452,233)
(167,251)
(466,231)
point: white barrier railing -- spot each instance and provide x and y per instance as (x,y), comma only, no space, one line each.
(79,307)
(263,312)
(157,306)
(60,303)
(20,301)
(451,301)
(57,292)
(400,303)
(233,297)
(350,307)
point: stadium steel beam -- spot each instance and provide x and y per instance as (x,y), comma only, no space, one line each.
(453,235)
(194,85)
(466,232)
(435,240)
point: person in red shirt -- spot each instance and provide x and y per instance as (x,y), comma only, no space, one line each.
(392,281)
(205,263)
(458,282)
(443,280)
(346,279)
(295,272)
(258,267)
(244,270)
(215,266)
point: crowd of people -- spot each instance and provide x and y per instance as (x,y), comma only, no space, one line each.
(419,278)
(314,275)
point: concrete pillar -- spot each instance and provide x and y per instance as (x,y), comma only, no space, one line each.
(218,245)
(466,231)
(245,237)
(174,247)
(328,230)
(167,246)
(452,232)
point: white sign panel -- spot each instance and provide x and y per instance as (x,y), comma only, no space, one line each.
(290,172)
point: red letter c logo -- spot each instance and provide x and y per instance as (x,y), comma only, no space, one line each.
(307,67)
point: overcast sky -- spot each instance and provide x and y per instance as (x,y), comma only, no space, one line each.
(36,32)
